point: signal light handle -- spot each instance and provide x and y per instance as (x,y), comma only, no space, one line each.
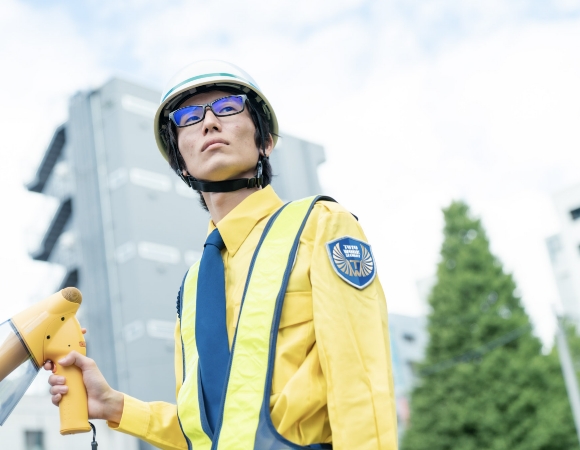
(73,407)
(62,336)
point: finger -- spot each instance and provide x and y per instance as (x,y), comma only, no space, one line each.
(78,360)
(84,330)
(56,390)
(56,399)
(54,380)
(48,365)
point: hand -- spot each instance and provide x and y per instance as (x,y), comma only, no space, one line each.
(103,401)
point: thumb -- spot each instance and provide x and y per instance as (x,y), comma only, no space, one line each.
(75,358)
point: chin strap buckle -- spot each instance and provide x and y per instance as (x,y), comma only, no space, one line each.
(254,182)
(258,180)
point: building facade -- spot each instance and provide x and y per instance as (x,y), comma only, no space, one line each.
(564,251)
(127,229)
(409,339)
(34,425)
(408,342)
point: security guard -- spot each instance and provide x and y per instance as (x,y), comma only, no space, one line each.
(281,337)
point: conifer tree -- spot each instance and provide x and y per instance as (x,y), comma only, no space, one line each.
(484,383)
(573,338)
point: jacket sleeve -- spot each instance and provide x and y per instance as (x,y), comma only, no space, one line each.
(155,422)
(353,342)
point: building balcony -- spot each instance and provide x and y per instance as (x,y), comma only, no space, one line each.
(51,157)
(54,231)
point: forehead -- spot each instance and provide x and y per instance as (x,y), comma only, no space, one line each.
(204,97)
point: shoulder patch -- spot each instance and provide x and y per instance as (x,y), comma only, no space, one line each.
(352,260)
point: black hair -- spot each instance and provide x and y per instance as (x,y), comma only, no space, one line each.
(261,137)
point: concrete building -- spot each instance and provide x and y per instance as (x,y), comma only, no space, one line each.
(408,342)
(409,338)
(564,250)
(34,425)
(127,229)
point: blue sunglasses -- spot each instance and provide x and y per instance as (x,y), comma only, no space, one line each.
(225,106)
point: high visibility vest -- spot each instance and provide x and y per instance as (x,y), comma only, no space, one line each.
(245,421)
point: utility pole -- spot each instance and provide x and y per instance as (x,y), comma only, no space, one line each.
(569,373)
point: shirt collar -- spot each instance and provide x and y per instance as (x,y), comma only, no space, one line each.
(237,224)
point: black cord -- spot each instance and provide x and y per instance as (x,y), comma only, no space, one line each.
(94,444)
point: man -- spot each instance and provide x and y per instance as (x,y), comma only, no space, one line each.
(281,338)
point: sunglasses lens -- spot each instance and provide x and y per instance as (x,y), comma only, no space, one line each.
(228,105)
(188,115)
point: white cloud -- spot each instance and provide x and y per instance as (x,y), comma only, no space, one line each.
(492,121)
(417,103)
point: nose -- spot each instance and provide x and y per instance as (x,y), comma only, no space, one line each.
(210,121)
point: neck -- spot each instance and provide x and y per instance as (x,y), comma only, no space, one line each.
(220,204)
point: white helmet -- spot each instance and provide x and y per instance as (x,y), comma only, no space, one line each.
(202,75)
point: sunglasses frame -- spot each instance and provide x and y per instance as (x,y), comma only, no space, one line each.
(210,104)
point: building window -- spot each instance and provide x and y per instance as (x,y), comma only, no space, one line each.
(409,337)
(34,440)
(575,213)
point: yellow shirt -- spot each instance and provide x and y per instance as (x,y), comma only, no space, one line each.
(332,377)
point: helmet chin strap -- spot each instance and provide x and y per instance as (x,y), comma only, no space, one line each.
(226,185)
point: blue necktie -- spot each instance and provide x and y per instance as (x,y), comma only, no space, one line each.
(210,326)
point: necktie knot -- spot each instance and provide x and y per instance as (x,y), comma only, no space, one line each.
(215,239)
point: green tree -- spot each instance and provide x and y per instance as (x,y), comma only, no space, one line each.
(573,343)
(484,383)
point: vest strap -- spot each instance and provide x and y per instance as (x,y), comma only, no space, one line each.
(197,434)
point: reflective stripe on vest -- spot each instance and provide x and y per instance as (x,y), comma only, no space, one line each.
(190,421)
(245,421)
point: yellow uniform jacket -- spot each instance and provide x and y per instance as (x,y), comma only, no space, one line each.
(332,378)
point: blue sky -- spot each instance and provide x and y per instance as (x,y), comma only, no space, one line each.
(450,99)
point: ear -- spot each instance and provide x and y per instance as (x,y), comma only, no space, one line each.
(269,146)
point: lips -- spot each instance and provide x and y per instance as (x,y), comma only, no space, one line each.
(213,141)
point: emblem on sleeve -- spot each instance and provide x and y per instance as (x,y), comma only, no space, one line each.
(352,260)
